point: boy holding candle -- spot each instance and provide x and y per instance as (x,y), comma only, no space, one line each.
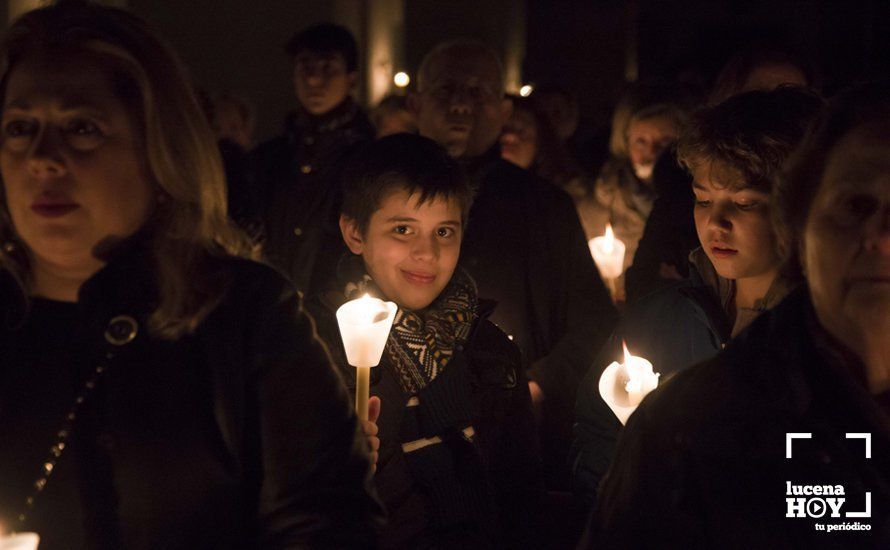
(458,460)
(734,152)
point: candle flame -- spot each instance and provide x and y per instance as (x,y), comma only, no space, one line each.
(634,374)
(609,242)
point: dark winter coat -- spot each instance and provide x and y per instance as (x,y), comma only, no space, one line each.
(486,371)
(296,177)
(238,435)
(703,462)
(567,310)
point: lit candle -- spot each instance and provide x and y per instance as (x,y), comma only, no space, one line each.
(608,253)
(364,328)
(19,541)
(624,385)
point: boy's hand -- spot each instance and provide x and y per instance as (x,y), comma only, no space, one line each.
(369,426)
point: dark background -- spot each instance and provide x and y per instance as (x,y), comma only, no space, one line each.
(236,45)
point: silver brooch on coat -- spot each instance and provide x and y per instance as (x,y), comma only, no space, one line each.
(121,330)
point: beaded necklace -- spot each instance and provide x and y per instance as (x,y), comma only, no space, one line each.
(121,331)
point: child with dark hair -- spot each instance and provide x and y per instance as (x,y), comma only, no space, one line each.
(328,39)
(458,460)
(734,152)
(325,66)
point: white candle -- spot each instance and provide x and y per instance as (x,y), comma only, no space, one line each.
(19,541)
(608,253)
(624,385)
(364,327)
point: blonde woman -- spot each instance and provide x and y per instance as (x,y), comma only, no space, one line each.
(156,391)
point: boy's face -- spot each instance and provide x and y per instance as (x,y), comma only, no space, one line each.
(733,223)
(321,81)
(409,249)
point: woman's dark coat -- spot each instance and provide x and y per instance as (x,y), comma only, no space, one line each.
(702,463)
(281,463)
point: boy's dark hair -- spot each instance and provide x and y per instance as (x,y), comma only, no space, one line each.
(750,134)
(325,39)
(402,161)
(866,107)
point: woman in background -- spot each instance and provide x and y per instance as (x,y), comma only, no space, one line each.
(529,141)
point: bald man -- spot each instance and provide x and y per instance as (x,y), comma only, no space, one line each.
(524,245)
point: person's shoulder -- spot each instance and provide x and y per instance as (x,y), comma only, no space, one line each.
(486,335)
(695,401)
(666,296)
(735,388)
(363,126)
(493,355)
(670,304)
(501,170)
(767,355)
(541,192)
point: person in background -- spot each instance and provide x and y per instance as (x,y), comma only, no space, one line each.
(295,174)
(523,246)
(560,108)
(702,458)
(233,120)
(660,259)
(528,140)
(459,462)
(157,388)
(624,192)
(662,256)
(734,152)
(762,68)
(392,116)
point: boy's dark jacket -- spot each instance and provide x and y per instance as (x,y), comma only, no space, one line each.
(702,463)
(505,433)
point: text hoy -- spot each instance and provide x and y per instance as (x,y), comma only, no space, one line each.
(814,506)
